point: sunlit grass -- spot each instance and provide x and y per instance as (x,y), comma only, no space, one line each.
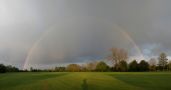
(86,81)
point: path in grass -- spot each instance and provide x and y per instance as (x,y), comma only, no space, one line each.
(85,81)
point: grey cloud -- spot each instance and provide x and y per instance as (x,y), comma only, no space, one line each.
(75,31)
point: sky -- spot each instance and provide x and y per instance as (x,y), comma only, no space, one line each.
(48,33)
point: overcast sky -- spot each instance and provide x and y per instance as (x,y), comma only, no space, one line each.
(46,33)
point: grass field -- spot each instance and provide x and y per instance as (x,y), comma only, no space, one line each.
(86,81)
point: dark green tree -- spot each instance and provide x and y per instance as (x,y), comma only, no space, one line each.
(2,68)
(143,66)
(10,68)
(133,66)
(123,66)
(31,69)
(102,67)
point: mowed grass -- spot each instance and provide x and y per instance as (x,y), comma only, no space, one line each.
(86,81)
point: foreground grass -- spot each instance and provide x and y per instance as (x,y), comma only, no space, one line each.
(86,81)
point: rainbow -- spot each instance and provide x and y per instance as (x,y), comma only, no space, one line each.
(34,46)
(128,37)
(45,33)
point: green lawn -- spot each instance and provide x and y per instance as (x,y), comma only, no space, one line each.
(86,81)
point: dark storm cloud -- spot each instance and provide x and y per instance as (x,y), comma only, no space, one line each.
(75,31)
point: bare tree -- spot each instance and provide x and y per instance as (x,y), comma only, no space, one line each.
(162,60)
(117,56)
(73,68)
(152,61)
(91,66)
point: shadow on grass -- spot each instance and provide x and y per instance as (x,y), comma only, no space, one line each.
(84,85)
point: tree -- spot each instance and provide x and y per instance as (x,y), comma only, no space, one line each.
(162,60)
(143,66)
(169,66)
(10,68)
(73,68)
(31,69)
(102,67)
(152,63)
(123,66)
(133,66)
(117,56)
(2,68)
(91,66)
(59,69)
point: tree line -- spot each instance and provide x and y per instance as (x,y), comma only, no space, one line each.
(8,68)
(119,63)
